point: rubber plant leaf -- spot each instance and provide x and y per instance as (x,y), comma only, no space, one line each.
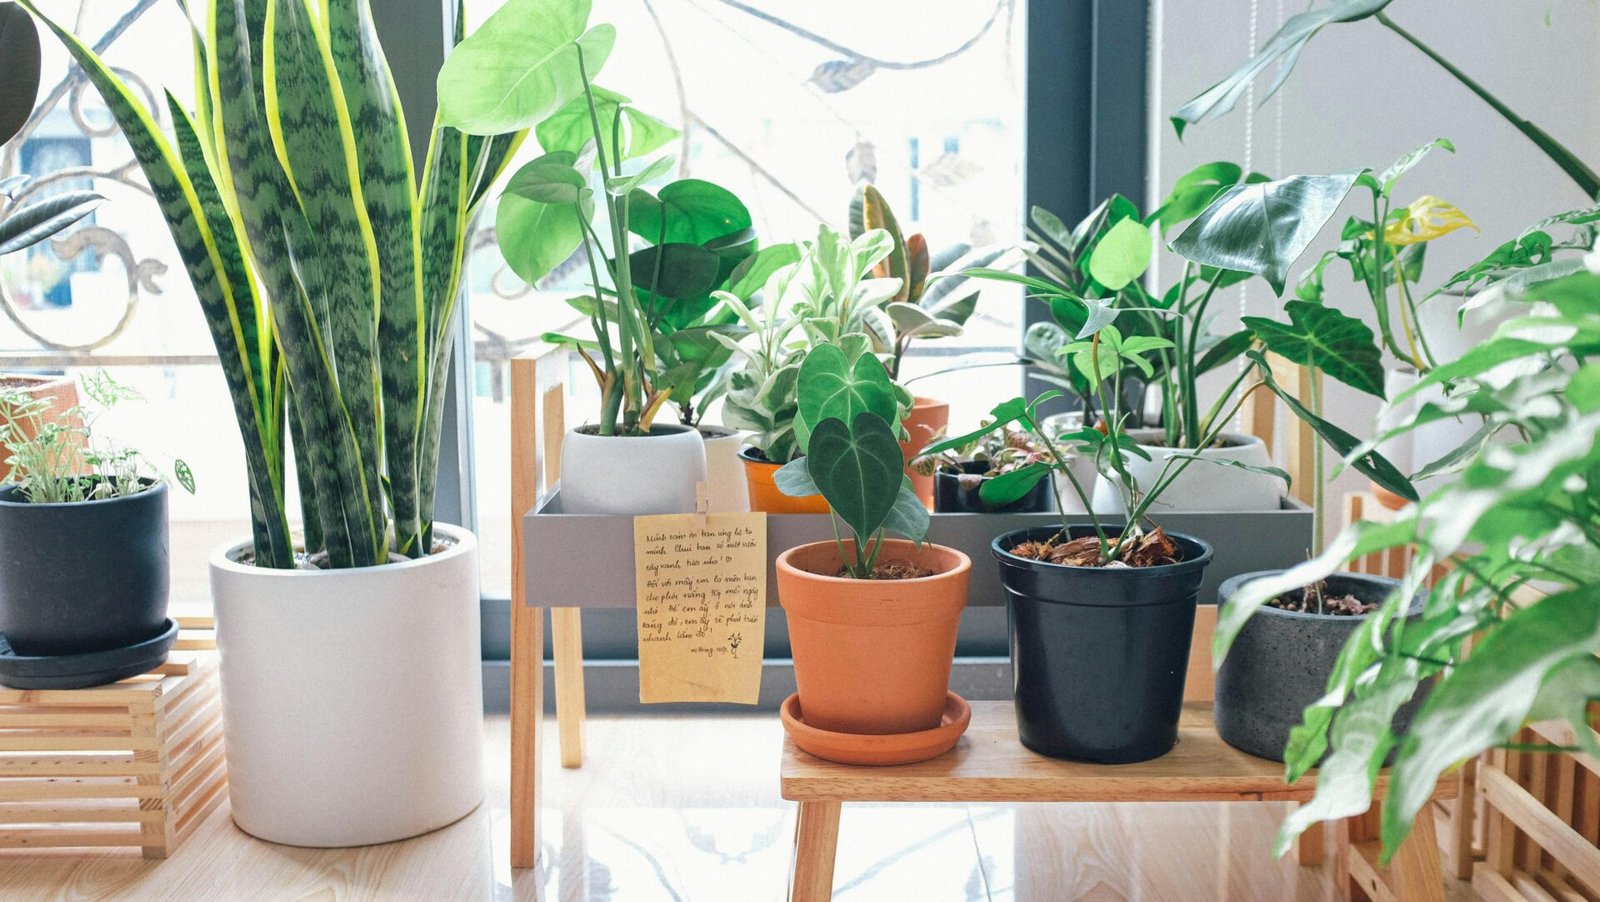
(868,211)
(19,69)
(34,222)
(1262,228)
(858,469)
(1322,337)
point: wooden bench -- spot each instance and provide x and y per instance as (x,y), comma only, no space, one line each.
(991,765)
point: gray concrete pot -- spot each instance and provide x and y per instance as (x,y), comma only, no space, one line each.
(1281,661)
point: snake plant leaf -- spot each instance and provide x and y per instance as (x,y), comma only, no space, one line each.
(832,385)
(1122,255)
(1011,486)
(520,66)
(33,222)
(570,127)
(19,69)
(857,469)
(1263,228)
(674,270)
(908,516)
(687,211)
(1370,463)
(1322,337)
(869,211)
(535,237)
(1282,48)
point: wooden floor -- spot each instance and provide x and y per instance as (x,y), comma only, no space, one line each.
(678,808)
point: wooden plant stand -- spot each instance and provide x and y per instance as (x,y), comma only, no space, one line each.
(137,763)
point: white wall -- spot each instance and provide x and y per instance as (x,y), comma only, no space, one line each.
(1362,96)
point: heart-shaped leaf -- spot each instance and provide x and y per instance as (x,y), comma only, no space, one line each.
(1263,228)
(858,469)
(1122,255)
(688,211)
(833,386)
(548,180)
(1322,337)
(536,237)
(674,270)
(19,69)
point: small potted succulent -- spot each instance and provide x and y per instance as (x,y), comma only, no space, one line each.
(83,547)
(959,474)
(872,620)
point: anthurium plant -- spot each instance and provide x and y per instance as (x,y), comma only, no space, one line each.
(1519,510)
(327,268)
(823,298)
(848,431)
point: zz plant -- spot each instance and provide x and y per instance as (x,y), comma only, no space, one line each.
(849,438)
(327,267)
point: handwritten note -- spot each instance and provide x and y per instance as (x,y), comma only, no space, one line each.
(702,587)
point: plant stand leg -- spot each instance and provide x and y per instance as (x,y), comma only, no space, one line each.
(1459,856)
(1413,875)
(566,627)
(816,839)
(527,725)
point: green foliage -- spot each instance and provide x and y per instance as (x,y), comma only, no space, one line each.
(328,272)
(30,223)
(1521,506)
(1325,339)
(56,457)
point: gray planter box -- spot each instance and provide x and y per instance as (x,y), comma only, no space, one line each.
(581,560)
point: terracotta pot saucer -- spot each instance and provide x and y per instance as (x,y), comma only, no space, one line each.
(893,748)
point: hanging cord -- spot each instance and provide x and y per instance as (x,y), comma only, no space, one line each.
(1249,165)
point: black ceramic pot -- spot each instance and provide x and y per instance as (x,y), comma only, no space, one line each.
(952,494)
(1099,655)
(82,577)
(1281,661)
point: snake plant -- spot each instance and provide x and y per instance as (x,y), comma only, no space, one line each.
(328,270)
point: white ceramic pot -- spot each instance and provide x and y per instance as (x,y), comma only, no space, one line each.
(1201,486)
(727,489)
(1082,467)
(632,475)
(352,700)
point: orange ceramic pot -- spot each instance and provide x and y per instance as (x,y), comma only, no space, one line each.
(60,391)
(1387,498)
(925,423)
(872,656)
(764,494)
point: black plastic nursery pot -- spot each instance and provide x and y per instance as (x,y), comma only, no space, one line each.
(1099,655)
(1281,660)
(83,577)
(957,493)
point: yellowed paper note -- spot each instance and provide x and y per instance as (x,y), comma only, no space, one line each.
(702,586)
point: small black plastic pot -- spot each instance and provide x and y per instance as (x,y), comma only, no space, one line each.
(950,496)
(1099,655)
(1281,660)
(83,577)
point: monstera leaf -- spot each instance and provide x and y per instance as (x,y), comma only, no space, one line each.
(834,386)
(1322,337)
(858,469)
(1282,48)
(1264,227)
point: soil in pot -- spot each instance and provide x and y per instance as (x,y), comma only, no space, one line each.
(764,495)
(873,656)
(1099,653)
(959,493)
(1281,660)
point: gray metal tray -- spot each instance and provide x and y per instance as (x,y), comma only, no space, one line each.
(586,561)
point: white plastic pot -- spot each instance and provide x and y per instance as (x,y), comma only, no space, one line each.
(1202,486)
(727,489)
(632,475)
(352,700)
(1082,467)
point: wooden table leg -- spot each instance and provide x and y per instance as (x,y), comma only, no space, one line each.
(1309,848)
(527,723)
(816,840)
(566,629)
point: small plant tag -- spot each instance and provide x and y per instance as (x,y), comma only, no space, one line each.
(702,602)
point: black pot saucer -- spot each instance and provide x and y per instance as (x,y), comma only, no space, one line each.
(95,668)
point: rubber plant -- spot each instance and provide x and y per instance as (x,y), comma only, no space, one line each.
(1521,507)
(850,447)
(327,269)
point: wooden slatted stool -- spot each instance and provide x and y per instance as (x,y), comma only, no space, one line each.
(990,765)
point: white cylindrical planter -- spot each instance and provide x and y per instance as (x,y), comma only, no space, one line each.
(1202,486)
(631,475)
(727,489)
(1082,466)
(352,700)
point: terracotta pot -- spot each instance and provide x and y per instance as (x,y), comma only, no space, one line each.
(925,423)
(872,657)
(764,494)
(62,392)
(1387,498)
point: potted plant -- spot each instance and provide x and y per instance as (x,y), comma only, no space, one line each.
(872,620)
(328,269)
(959,474)
(83,548)
(930,304)
(823,298)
